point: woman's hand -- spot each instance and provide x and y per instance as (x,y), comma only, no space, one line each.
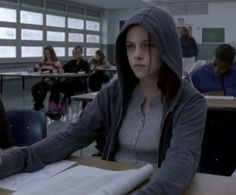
(61,70)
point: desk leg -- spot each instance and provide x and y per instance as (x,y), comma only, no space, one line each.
(1,84)
(23,83)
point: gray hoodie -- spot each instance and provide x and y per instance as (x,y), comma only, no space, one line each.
(182,125)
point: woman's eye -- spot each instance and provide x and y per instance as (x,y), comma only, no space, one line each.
(128,45)
(148,44)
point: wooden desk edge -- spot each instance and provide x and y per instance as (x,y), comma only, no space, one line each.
(202,184)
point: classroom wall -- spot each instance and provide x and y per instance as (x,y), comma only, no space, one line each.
(219,15)
(112,18)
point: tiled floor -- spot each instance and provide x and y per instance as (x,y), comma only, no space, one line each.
(14,97)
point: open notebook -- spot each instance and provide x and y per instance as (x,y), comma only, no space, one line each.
(90,181)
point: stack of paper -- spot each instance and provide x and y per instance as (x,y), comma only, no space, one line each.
(87,180)
(23,180)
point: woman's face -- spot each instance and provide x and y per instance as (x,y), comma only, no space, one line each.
(47,54)
(142,54)
(97,57)
(183,32)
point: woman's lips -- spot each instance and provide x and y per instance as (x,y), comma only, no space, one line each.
(139,65)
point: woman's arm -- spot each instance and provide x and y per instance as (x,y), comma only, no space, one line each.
(56,147)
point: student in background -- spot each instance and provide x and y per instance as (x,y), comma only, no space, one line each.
(99,60)
(57,105)
(6,139)
(189,49)
(99,77)
(49,63)
(148,115)
(196,65)
(217,77)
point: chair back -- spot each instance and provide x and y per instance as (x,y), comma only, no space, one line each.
(27,126)
(219,143)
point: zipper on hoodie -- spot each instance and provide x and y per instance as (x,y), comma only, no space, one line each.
(167,113)
(113,133)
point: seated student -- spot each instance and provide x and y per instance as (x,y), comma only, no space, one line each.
(99,77)
(217,77)
(68,87)
(196,65)
(148,115)
(49,63)
(6,139)
(189,48)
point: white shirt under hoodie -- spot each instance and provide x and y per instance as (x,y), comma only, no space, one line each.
(139,140)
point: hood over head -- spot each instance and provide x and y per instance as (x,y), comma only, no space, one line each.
(161,27)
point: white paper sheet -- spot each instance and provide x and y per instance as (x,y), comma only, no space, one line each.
(22,180)
(219,97)
(84,180)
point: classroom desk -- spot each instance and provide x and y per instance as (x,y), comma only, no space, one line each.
(212,103)
(24,74)
(202,184)
(85,97)
(105,68)
(221,104)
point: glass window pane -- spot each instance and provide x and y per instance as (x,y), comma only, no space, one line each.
(75,23)
(31,51)
(92,25)
(60,51)
(70,51)
(90,51)
(7,33)
(57,21)
(27,17)
(55,36)
(28,34)
(7,51)
(92,38)
(7,15)
(76,37)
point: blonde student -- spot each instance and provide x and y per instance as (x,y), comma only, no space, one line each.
(148,115)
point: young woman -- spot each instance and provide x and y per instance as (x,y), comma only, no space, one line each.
(57,106)
(100,77)
(189,49)
(148,115)
(49,63)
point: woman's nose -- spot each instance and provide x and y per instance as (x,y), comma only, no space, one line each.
(138,53)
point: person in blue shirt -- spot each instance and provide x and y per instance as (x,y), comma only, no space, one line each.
(217,77)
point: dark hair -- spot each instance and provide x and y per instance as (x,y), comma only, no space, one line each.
(100,53)
(52,53)
(168,83)
(78,47)
(225,52)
